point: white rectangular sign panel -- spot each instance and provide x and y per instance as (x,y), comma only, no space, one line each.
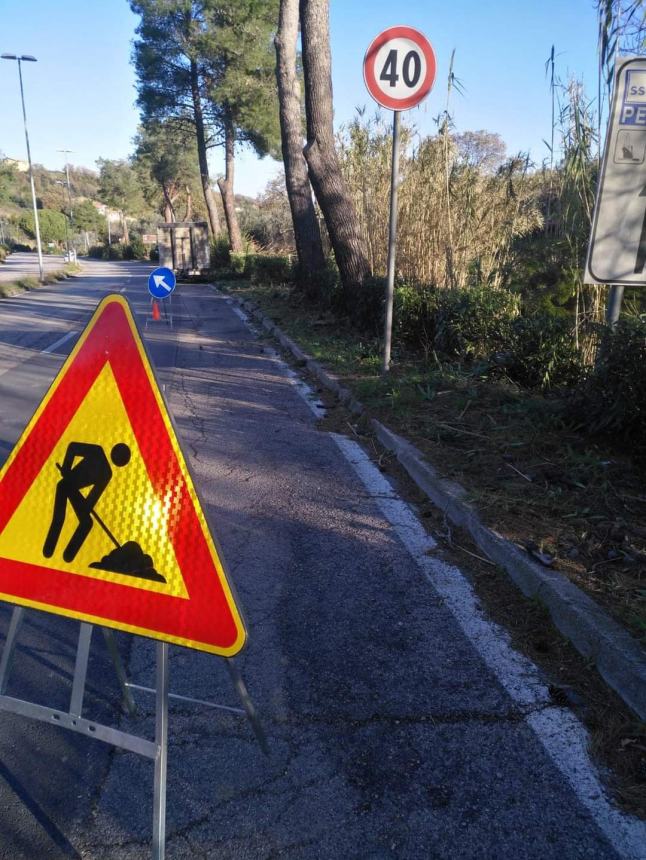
(617,252)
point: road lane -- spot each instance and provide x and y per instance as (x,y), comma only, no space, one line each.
(394,733)
(25,265)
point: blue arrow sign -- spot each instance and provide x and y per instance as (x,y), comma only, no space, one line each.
(161,283)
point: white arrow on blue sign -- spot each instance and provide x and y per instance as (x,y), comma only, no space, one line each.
(161,283)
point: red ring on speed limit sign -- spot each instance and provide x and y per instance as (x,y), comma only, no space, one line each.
(378,89)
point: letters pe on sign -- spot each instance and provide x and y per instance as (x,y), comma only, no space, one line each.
(99,516)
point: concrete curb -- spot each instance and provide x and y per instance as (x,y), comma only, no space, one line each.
(620,660)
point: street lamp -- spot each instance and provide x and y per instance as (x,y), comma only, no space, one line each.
(66,152)
(67,238)
(27,58)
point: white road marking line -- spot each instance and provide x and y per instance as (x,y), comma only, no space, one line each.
(561,734)
(60,341)
(304,390)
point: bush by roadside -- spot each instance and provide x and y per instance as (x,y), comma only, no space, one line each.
(135,250)
(612,400)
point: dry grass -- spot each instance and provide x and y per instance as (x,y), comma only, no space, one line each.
(23,285)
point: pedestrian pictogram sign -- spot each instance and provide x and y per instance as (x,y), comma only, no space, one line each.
(399,68)
(99,517)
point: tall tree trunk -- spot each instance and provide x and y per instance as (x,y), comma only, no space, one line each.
(189,204)
(226,185)
(169,211)
(209,197)
(306,227)
(124,225)
(320,151)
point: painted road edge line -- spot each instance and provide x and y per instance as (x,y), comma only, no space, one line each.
(617,656)
(60,342)
(310,398)
(561,734)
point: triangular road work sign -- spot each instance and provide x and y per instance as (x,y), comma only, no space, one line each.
(99,517)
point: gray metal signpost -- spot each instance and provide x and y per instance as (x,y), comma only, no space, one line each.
(399,71)
(617,251)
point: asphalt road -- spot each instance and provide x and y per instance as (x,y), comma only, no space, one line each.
(22,265)
(401,724)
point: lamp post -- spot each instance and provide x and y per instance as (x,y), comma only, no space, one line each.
(29,59)
(66,152)
(67,235)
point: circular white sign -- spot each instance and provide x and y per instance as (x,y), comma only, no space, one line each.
(399,68)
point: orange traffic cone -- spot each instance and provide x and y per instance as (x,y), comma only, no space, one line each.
(156,313)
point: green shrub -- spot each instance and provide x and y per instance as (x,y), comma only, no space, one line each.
(4,253)
(220,253)
(237,263)
(53,225)
(542,353)
(96,252)
(113,252)
(325,289)
(268,269)
(153,256)
(474,323)
(135,250)
(365,305)
(415,316)
(613,399)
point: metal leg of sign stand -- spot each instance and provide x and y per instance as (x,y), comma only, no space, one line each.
(248,708)
(161,759)
(248,705)
(80,669)
(73,719)
(128,701)
(10,646)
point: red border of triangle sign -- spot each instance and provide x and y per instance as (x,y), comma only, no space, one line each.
(207,618)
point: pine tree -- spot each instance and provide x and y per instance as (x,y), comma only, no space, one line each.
(243,87)
(174,75)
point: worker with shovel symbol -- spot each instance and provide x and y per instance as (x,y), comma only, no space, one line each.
(92,470)
(86,465)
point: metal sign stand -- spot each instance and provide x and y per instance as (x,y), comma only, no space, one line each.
(392,244)
(73,719)
(613,307)
(168,316)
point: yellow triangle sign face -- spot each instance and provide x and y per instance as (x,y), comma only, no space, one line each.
(99,517)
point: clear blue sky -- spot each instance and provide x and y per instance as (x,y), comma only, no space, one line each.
(80,95)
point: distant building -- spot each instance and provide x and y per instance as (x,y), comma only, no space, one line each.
(17,164)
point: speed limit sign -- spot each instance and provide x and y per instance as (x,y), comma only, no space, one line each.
(399,68)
